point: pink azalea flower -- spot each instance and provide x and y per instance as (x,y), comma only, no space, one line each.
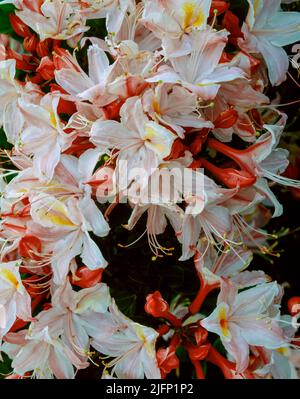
(245,318)
(266,30)
(130,344)
(14,299)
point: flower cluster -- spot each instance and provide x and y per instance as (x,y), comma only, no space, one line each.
(167,112)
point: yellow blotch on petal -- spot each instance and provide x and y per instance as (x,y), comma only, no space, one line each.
(156,107)
(256,4)
(10,277)
(53,120)
(224,323)
(148,345)
(283,351)
(55,214)
(151,134)
(193,16)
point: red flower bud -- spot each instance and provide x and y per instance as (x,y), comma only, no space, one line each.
(163,329)
(18,26)
(294,305)
(156,305)
(64,106)
(197,143)
(177,150)
(220,6)
(230,177)
(225,57)
(37,79)
(198,352)
(30,43)
(22,60)
(46,68)
(112,110)
(201,335)
(167,361)
(30,247)
(63,59)
(86,278)
(226,119)
(43,48)
(232,23)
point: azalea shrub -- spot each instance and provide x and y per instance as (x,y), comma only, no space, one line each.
(149,170)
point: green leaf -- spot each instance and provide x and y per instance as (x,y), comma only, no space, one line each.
(4,144)
(126,303)
(5,366)
(5,26)
(181,353)
(219,346)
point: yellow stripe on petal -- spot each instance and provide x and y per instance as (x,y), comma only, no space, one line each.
(10,277)
(256,4)
(224,322)
(283,351)
(156,107)
(148,344)
(56,214)
(150,136)
(53,119)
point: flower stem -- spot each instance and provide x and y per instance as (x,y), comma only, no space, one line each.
(201,296)
(198,368)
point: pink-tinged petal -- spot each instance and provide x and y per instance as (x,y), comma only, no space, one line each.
(135,216)
(262,332)
(158,139)
(23,304)
(283,29)
(60,365)
(72,81)
(130,367)
(96,298)
(264,189)
(136,164)
(133,115)
(165,74)
(46,160)
(276,162)
(13,121)
(91,254)
(112,134)
(65,251)
(238,348)
(33,355)
(218,219)
(3,320)
(94,217)
(98,63)
(223,73)
(277,61)
(189,236)
(205,91)
(256,300)
(228,292)
(87,163)
(231,263)
(10,318)
(249,279)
